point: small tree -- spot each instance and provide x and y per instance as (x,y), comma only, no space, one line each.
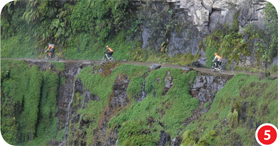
(263,46)
(266,42)
(271,23)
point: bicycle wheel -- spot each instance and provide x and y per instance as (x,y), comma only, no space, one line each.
(212,68)
(103,59)
(55,58)
(46,56)
(221,69)
(112,59)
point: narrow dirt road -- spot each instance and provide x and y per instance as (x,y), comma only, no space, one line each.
(203,70)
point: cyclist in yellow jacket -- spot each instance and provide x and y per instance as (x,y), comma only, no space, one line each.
(219,60)
(51,48)
(109,51)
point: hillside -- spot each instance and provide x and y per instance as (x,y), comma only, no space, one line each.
(171,31)
(134,101)
(92,104)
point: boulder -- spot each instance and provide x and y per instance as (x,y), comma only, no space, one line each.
(155,66)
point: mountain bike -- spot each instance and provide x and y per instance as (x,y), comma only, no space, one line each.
(105,58)
(220,67)
(47,56)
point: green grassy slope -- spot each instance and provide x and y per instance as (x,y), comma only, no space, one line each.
(102,85)
(238,109)
(28,103)
(169,109)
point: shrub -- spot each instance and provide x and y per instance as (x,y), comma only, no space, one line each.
(208,139)
(233,119)
(134,133)
(189,138)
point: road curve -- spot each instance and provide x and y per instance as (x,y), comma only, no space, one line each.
(203,70)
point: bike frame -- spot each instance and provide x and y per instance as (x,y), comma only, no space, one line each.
(218,65)
(220,68)
(107,57)
(217,68)
(49,53)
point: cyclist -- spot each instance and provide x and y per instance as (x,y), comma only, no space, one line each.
(109,51)
(52,49)
(219,59)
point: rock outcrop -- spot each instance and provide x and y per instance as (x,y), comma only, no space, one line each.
(205,87)
(207,13)
(182,24)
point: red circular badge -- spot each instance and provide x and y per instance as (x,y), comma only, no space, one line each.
(266,134)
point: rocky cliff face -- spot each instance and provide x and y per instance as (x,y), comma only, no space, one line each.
(73,124)
(83,114)
(203,88)
(207,13)
(182,24)
(206,86)
(162,24)
(121,104)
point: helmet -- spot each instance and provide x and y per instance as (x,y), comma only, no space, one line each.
(106,46)
(48,44)
(215,53)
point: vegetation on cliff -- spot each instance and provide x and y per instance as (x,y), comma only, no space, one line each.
(81,29)
(233,115)
(28,102)
(101,85)
(238,109)
(231,44)
(29,105)
(158,111)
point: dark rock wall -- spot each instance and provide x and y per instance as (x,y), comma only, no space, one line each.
(163,24)
(205,87)
(182,24)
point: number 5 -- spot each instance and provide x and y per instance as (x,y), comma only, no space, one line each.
(268,135)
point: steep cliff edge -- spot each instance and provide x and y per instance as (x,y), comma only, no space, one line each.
(243,104)
(93,104)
